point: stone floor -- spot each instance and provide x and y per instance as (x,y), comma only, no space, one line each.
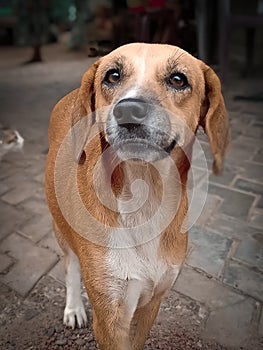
(223,272)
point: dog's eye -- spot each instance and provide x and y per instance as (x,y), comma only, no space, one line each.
(178,81)
(112,76)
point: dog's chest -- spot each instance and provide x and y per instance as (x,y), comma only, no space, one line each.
(133,254)
(143,265)
(136,262)
(138,240)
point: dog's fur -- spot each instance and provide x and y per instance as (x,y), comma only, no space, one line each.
(126,285)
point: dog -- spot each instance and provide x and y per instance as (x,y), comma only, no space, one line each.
(118,195)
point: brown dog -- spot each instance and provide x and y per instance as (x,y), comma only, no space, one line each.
(116,176)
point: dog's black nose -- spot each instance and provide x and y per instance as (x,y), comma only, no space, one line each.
(130,111)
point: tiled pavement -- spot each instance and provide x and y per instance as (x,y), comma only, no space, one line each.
(224,269)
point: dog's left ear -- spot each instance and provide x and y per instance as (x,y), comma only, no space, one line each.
(214,118)
(83,109)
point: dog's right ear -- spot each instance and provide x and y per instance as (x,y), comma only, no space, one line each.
(82,111)
(214,118)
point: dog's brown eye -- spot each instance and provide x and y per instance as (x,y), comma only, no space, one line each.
(112,76)
(178,81)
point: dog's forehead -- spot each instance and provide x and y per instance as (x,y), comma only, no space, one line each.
(148,57)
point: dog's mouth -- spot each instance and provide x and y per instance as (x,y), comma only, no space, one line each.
(145,149)
(139,130)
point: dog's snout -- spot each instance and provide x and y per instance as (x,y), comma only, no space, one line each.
(130,111)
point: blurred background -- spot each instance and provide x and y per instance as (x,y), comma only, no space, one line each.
(45,48)
(218,32)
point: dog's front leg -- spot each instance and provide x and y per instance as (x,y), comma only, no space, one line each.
(111,334)
(142,322)
(145,315)
(113,313)
(74,310)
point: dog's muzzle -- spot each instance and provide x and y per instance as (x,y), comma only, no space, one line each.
(140,130)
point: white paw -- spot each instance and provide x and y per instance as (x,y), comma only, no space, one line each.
(71,315)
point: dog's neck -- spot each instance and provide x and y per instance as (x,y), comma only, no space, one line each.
(133,194)
(145,191)
(140,195)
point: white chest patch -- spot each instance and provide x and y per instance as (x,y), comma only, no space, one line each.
(145,272)
(133,250)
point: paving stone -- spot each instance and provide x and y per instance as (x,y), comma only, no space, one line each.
(250,251)
(225,179)
(211,206)
(253,171)
(231,227)
(32,263)
(20,193)
(31,152)
(3,188)
(240,123)
(231,325)
(5,262)
(235,132)
(258,157)
(233,108)
(11,218)
(260,328)
(210,251)
(255,130)
(35,205)
(37,227)
(251,141)
(244,278)
(38,166)
(18,158)
(21,163)
(253,109)
(6,169)
(239,151)
(205,290)
(235,203)
(201,206)
(58,272)
(251,187)
(208,164)
(237,128)
(256,220)
(16,177)
(40,178)
(49,241)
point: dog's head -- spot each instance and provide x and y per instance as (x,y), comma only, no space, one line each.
(152,94)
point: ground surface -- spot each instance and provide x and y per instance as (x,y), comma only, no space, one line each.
(217,300)
(35,323)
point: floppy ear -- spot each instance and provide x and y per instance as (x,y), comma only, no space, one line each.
(82,110)
(214,118)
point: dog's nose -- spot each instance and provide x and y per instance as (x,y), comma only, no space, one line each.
(130,111)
